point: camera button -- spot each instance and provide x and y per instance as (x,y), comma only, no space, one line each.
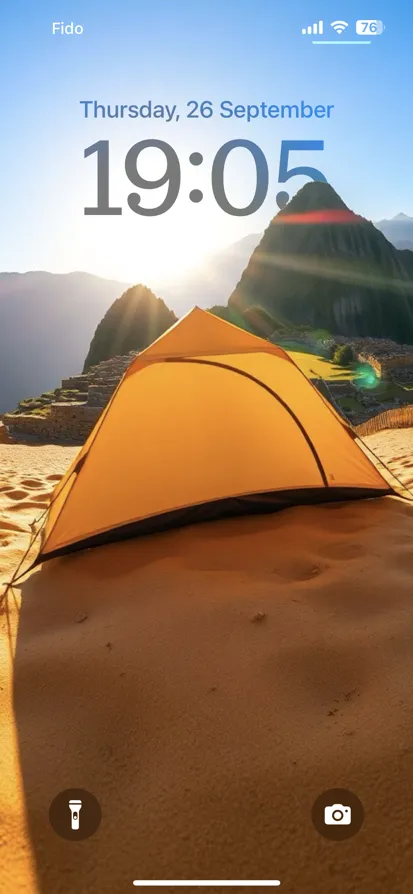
(337,814)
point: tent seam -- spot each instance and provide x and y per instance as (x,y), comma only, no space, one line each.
(269,390)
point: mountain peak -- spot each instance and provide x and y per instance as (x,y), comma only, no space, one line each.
(315,196)
(323,266)
(401,216)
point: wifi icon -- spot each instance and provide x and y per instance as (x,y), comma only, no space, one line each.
(339,27)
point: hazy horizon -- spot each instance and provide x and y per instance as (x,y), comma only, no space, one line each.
(177,275)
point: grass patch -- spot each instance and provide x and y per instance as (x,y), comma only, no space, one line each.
(350,403)
(39,411)
(385,391)
(70,393)
(289,345)
(315,366)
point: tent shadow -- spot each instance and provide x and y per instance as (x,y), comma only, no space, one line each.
(207,545)
(75,685)
(137,676)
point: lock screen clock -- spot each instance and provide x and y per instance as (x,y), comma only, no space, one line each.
(172,176)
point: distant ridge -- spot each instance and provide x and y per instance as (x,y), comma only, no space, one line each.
(399,229)
(46,323)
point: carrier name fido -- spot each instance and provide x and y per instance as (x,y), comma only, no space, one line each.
(67,28)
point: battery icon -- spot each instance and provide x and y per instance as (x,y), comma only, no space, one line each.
(369,26)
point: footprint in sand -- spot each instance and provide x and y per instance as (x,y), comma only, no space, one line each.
(298,570)
(31,482)
(16,494)
(10,526)
(28,504)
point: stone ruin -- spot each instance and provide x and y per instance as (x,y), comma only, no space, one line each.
(71,411)
(390,360)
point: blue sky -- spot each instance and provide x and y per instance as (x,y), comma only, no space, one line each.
(173,52)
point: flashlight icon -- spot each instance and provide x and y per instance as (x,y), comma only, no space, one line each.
(75,808)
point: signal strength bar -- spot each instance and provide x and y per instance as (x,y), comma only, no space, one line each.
(317,28)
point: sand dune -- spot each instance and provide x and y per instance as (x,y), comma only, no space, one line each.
(207,685)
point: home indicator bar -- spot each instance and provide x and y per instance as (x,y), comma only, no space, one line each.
(205,883)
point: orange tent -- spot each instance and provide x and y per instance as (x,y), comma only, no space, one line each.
(209,421)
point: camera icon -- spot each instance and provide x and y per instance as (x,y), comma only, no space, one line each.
(337,815)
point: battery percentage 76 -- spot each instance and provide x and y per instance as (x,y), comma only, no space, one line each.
(369,26)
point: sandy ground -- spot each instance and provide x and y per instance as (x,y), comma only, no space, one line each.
(27,477)
(206,685)
(395,448)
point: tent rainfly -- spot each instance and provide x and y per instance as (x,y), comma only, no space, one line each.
(208,422)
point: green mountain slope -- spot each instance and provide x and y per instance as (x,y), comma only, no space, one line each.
(321,265)
(132,322)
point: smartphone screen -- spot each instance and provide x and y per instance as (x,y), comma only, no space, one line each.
(206,448)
